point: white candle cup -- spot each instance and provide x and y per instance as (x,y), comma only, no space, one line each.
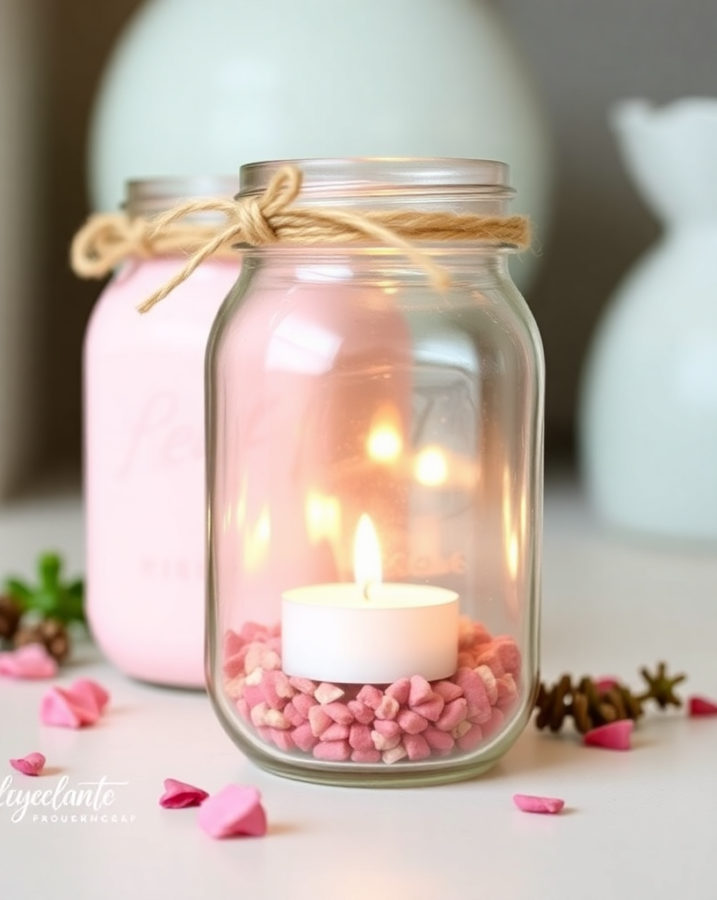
(336,633)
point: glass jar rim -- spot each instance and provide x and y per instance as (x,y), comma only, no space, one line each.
(150,196)
(362,176)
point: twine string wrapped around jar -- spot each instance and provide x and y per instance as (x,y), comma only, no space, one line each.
(271,218)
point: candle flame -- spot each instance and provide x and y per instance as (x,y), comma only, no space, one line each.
(367,555)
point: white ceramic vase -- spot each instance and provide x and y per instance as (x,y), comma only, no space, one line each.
(648,417)
(204,87)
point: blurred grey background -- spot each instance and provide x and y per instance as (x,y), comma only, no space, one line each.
(584,55)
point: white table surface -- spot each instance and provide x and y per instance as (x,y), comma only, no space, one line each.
(637,824)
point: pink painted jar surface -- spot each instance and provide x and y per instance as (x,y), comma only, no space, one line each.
(144,454)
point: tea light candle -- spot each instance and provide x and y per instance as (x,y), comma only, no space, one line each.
(369,632)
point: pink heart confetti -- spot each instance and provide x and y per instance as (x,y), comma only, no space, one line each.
(80,704)
(701,706)
(235,810)
(179,795)
(32,764)
(89,694)
(60,707)
(614,736)
(31,661)
(534,803)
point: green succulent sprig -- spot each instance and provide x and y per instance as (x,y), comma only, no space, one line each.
(51,597)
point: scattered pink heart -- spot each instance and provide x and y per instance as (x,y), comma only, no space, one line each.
(179,795)
(31,661)
(32,764)
(701,706)
(614,736)
(534,803)
(80,704)
(234,811)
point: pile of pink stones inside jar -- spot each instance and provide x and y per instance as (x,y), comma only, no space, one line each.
(409,720)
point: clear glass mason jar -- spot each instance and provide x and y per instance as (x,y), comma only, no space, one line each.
(144,451)
(375,491)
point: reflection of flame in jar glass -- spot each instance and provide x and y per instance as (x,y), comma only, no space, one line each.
(385,439)
(431,467)
(323,517)
(256,542)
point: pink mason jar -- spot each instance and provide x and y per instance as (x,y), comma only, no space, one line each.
(144,453)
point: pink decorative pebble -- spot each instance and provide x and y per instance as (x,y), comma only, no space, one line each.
(252,630)
(385,742)
(416,747)
(614,736)
(400,690)
(365,756)
(335,732)
(258,714)
(532,803)
(507,690)
(234,665)
(495,722)
(303,703)
(411,722)
(304,738)
(327,693)
(360,737)
(179,795)
(490,683)
(387,727)
(421,690)
(319,720)
(370,696)
(283,739)
(454,713)
(332,751)
(394,754)
(387,708)
(449,690)
(478,706)
(292,715)
(32,764)
(432,708)
(234,687)
(439,740)
(470,739)
(701,706)
(232,812)
(275,718)
(362,713)
(30,662)
(303,685)
(339,712)
(276,689)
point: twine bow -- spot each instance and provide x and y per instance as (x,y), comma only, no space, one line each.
(272,219)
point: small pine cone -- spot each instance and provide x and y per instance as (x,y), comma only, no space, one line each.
(10,614)
(51,633)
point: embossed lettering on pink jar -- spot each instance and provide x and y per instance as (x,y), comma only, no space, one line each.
(144,455)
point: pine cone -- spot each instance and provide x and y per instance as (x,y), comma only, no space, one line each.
(10,614)
(51,633)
